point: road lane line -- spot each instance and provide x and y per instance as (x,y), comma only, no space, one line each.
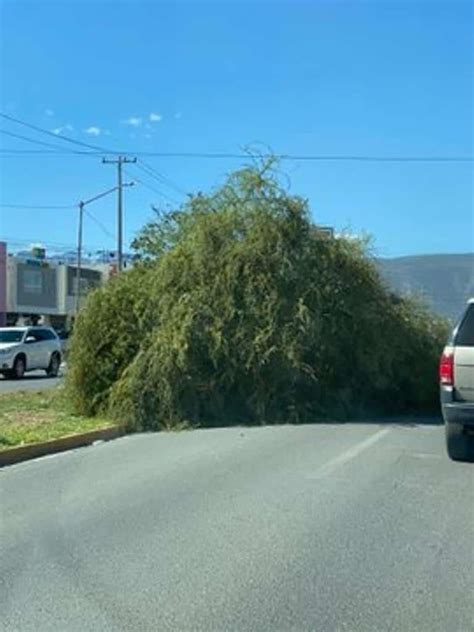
(340,460)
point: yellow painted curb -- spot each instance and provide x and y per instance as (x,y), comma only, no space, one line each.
(34,450)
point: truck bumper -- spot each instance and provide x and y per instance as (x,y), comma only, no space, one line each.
(455,412)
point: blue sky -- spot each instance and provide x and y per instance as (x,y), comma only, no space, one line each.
(304,78)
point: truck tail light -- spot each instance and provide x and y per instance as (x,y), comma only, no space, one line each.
(446,368)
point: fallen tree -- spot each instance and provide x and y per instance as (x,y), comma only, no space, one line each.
(242,311)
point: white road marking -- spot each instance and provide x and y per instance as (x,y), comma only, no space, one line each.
(328,468)
(426,455)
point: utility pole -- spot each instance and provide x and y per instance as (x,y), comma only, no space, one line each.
(79,257)
(119,161)
(79,235)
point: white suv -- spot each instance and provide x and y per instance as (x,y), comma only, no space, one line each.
(456,373)
(28,348)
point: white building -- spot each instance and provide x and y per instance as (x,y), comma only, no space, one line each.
(38,290)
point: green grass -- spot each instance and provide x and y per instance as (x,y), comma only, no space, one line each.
(27,418)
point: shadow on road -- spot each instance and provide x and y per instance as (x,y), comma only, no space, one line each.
(33,376)
(402,421)
(26,378)
(406,421)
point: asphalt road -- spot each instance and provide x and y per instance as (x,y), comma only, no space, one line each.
(326,528)
(34,381)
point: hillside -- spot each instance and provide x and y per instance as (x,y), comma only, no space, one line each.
(445,281)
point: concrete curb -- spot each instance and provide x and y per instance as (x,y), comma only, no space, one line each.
(34,450)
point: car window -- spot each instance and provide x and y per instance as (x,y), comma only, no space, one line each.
(14,335)
(465,331)
(34,333)
(47,334)
(44,334)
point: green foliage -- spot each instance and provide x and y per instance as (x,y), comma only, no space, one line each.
(107,336)
(243,312)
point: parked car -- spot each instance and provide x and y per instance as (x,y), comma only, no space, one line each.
(456,374)
(27,349)
(63,336)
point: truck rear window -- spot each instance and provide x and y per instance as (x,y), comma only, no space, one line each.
(465,333)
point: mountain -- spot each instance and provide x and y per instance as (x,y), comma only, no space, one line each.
(444,281)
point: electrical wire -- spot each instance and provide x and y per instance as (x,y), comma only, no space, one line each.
(231,156)
(11,153)
(215,155)
(30,140)
(139,180)
(160,193)
(39,207)
(104,229)
(41,130)
(28,242)
(162,178)
(150,175)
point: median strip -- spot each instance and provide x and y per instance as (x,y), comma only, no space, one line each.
(37,424)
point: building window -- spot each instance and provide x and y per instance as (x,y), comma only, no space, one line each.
(33,281)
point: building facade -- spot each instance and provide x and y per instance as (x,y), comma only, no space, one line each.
(3,284)
(35,289)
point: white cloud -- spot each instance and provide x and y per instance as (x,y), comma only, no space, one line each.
(134,121)
(93,130)
(49,112)
(154,117)
(62,128)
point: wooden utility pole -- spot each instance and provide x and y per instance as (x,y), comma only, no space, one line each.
(79,257)
(119,161)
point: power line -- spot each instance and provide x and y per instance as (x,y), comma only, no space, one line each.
(309,157)
(230,156)
(40,207)
(105,230)
(30,140)
(139,166)
(41,130)
(156,191)
(11,153)
(222,156)
(150,187)
(162,178)
(53,244)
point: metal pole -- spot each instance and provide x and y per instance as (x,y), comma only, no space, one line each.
(120,216)
(79,257)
